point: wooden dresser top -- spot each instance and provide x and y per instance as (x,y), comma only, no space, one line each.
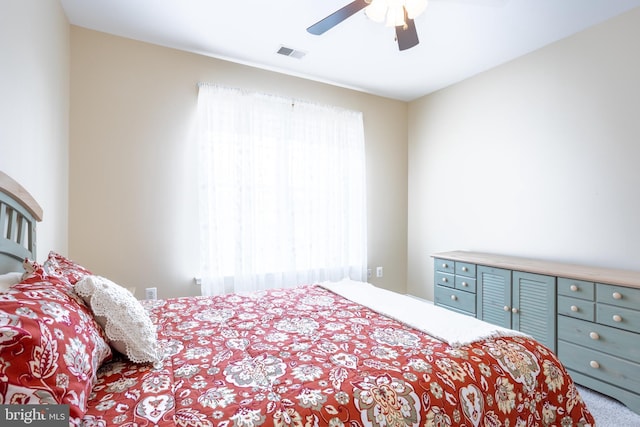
(551,268)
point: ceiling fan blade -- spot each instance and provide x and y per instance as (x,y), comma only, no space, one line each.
(407,37)
(337,17)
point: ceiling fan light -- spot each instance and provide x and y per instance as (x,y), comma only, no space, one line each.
(395,17)
(415,7)
(377,10)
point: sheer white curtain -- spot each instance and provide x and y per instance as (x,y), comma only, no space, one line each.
(282,192)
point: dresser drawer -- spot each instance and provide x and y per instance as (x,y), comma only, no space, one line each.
(576,288)
(445,279)
(618,295)
(618,317)
(445,265)
(465,269)
(466,284)
(613,370)
(458,300)
(575,307)
(623,344)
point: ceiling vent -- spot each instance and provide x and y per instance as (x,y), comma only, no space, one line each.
(287,51)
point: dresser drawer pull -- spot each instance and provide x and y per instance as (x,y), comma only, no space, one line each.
(506,308)
(445,265)
(594,364)
(574,288)
(616,295)
(594,336)
(464,284)
(445,280)
(454,298)
(574,308)
(465,269)
(617,318)
(514,310)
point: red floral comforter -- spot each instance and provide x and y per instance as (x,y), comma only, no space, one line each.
(307,357)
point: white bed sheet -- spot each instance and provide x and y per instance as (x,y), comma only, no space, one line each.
(453,328)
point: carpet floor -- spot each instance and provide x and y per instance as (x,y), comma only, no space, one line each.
(608,412)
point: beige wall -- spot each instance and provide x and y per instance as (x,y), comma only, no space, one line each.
(133,207)
(538,157)
(34,109)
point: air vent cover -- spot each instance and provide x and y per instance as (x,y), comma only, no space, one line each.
(288,51)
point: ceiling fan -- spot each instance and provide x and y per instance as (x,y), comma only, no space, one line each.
(394,12)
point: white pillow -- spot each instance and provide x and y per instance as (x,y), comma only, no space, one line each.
(126,323)
(9,279)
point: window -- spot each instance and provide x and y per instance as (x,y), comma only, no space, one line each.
(282,191)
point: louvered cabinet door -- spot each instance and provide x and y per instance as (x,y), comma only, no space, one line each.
(494,295)
(533,306)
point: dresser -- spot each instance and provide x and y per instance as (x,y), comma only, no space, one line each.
(589,316)
(456,286)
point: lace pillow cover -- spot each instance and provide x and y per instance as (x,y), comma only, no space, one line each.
(125,321)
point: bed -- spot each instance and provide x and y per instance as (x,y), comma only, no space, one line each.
(330,354)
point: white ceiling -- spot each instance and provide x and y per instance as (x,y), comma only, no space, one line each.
(458,38)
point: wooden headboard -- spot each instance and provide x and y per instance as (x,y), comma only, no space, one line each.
(19,213)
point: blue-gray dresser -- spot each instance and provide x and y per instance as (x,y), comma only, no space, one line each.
(589,316)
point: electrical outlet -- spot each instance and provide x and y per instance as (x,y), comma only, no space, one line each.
(151,293)
(379,272)
(369,273)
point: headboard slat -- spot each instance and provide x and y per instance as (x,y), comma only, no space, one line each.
(11,224)
(3,220)
(20,227)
